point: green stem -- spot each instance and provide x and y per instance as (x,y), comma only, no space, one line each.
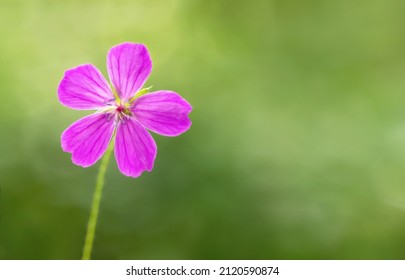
(91,226)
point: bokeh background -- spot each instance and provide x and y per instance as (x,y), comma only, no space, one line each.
(297,149)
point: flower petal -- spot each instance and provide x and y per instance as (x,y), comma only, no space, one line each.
(135,149)
(163,112)
(84,88)
(88,138)
(129,66)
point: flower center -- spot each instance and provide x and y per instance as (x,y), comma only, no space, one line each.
(122,111)
(119,110)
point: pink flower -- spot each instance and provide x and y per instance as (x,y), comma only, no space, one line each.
(124,109)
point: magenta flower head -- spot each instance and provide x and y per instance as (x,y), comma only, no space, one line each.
(124,111)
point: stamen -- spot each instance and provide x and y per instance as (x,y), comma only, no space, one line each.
(109,102)
(109,116)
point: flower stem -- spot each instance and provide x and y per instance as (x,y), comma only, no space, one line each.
(91,226)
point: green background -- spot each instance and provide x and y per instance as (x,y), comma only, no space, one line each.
(297,149)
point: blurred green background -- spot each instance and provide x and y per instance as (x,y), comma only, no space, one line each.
(297,149)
